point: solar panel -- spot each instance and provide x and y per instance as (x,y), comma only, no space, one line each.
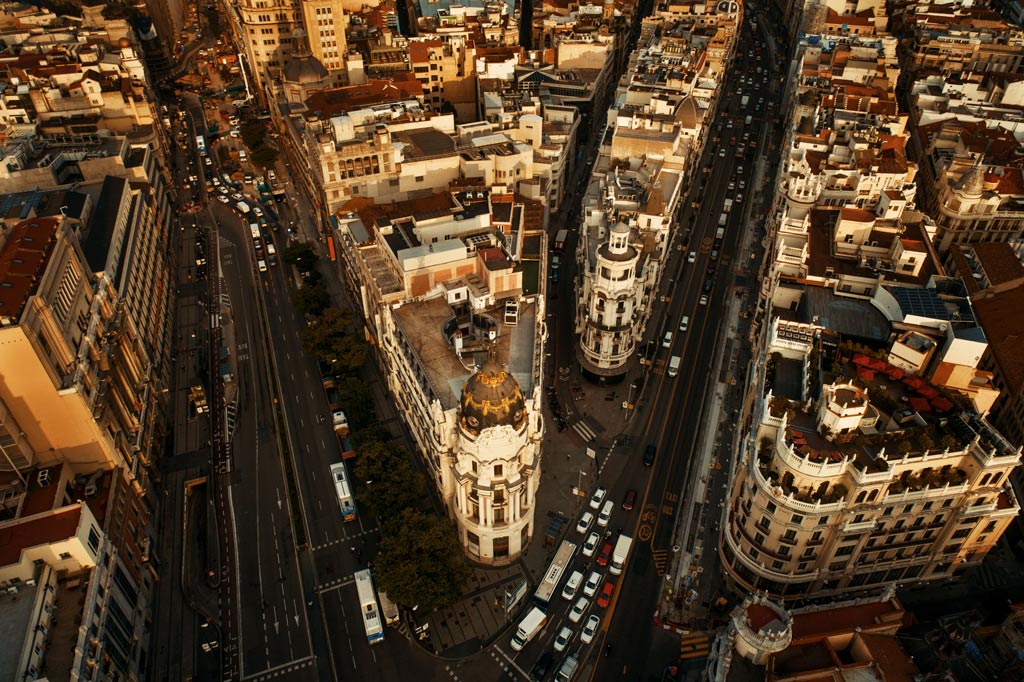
(921,302)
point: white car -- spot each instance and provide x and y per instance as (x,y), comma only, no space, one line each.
(684,323)
(585,522)
(593,582)
(597,498)
(692,258)
(590,629)
(262,264)
(703,299)
(579,609)
(721,152)
(223,199)
(237,196)
(590,544)
(667,341)
(562,640)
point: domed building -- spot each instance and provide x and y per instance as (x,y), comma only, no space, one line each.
(495,466)
(303,74)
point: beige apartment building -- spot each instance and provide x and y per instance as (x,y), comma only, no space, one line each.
(847,497)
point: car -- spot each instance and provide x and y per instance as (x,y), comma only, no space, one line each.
(585,522)
(743,184)
(590,544)
(605,597)
(590,629)
(257,210)
(629,500)
(667,341)
(579,609)
(605,554)
(606,514)
(684,323)
(692,258)
(235,132)
(543,666)
(708,283)
(739,198)
(555,262)
(262,264)
(272,175)
(597,498)
(223,199)
(732,185)
(237,196)
(721,153)
(562,640)
(248,178)
(593,582)
(649,454)
(703,299)
(222,189)
(207,161)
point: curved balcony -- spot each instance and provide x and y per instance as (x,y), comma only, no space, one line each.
(756,567)
(793,500)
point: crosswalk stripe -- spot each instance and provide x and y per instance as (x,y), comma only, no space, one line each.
(586,433)
(693,645)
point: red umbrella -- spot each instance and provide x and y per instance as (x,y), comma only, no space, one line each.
(865,374)
(861,359)
(920,405)
(928,392)
(942,404)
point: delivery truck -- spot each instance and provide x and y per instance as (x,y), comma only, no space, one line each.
(620,554)
(528,628)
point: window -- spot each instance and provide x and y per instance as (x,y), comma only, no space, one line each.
(497,470)
(65,556)
(759,538)
(837,566)
(784,550)
(908,508)
(798,519)
(990,527)
(777,565)
(771,507)
(823,521)
(845,550)
(790,534)
(753,553)
(962,533)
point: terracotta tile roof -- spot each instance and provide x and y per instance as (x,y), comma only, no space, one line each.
(999,315)
(23,261)
(870,616)
(17,536)
(1001,264)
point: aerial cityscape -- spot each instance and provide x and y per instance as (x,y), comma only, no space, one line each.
(494,341)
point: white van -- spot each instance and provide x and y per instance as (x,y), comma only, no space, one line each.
(606,514)
(749,119)
(571,585)
(528,627)
(673,365)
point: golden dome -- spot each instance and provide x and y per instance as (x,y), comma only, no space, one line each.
(491,397)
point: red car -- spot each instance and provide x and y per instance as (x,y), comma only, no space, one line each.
(605,597)
(629,500)
(606,553)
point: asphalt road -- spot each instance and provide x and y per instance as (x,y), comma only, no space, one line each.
(673,421)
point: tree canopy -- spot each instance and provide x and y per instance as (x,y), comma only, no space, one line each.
(329,340)
(420,563)
(390,483)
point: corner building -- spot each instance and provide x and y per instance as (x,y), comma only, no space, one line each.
(849,498)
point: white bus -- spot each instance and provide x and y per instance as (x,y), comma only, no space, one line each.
(368,606)
(344,492)
(553,575)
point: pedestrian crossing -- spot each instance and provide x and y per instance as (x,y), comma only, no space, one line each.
(694,645)
(661,561)
(584,430)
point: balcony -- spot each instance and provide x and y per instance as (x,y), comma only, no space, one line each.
(860,527)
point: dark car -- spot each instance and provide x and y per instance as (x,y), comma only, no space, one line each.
(649,454)
(542,667)
(629,500)
(708,283)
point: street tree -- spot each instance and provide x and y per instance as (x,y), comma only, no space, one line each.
(334,342)
(354,394)
(301,256)
(420,562)
(390,483)
(311,298)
